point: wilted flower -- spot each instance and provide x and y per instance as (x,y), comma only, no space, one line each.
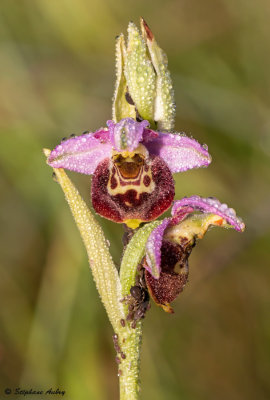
(132,167)
(170,244)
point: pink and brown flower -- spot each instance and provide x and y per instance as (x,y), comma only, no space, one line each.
(170,244)
(132,167)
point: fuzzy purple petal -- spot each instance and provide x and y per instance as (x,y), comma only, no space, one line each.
(82,153)
(179,151)
(153,248)
(210,205)
(126,134)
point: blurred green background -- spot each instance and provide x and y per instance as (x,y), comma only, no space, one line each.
(57,78)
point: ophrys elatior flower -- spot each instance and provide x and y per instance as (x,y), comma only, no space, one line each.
(132,167)
(170,244)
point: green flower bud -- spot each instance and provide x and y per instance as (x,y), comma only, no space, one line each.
(143,84)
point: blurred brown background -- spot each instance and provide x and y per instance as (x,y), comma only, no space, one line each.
(56,78)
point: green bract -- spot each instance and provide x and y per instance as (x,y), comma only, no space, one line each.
(106,277)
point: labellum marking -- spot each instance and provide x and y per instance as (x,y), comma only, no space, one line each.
(129,177)
(122,194)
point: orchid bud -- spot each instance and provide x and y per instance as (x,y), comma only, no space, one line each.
(143,83)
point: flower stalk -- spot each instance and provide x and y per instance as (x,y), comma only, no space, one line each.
(129,368)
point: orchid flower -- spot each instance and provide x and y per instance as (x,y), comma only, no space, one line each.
(132,167)
(170,244)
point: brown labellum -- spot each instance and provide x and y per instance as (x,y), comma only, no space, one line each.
(126,189)
(173,276)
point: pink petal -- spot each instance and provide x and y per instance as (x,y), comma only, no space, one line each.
(179,151)
(153,249)
(82,153)
(209,205)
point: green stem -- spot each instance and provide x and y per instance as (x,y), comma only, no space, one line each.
(130,339)
(129,368)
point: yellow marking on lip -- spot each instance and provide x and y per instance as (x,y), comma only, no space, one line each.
(133,223)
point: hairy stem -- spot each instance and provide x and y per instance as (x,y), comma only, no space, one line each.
(130,339)
(129,368)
